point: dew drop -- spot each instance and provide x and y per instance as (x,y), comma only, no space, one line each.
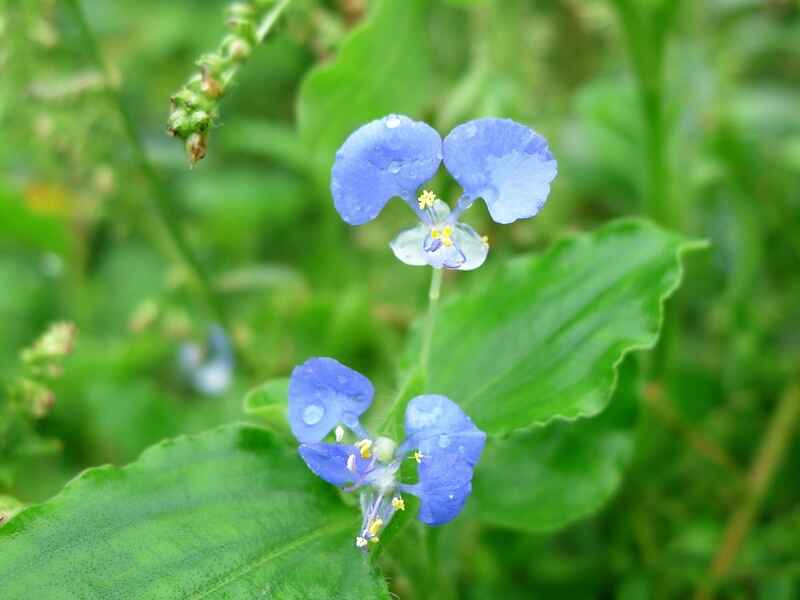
(312,414)
(444,441)
(392,121)
(452,497)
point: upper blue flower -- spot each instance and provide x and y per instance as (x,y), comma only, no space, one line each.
(505,163)
(446,444)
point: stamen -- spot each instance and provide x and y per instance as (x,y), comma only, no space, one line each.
(361,542)
(426,199)
(375,527)
(374,540)
(418,456)
(447,231)
(365,446)
(339,433)
(485,239)
(398,503)
(435,233)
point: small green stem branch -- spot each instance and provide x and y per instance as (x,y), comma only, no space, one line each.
(162,203)
(430,320)
(769,456)
(195,107)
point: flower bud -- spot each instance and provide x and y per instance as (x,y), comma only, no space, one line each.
(239,49)
(210,86)
(178,123)
(196,146)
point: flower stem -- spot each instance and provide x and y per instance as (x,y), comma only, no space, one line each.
(416,376)
(430,321)
(162,204)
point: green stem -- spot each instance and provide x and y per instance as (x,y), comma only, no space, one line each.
(430,321)
(417,375)
(163,207)
(269,20)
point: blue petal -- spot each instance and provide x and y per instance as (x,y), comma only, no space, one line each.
(451,445)
(322,394)
(505,163)
(385,158)
(329,462)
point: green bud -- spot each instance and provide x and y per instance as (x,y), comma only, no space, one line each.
(55,343)
(200,120)
(179,123)
(239,50)
(213,62)
(187,98)
(240,10)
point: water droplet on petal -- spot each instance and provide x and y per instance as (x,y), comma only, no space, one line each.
(444,441)
(452,497)
(312,414)
(392,121)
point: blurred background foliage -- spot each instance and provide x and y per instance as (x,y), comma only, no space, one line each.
(684,112)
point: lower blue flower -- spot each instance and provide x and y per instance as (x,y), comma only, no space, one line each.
(440,437)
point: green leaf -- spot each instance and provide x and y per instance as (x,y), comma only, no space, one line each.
(544,479)
(382,68)
(231,513)
(544,339)
(269,402)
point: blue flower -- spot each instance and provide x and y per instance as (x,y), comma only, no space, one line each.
(505,163)
(326,396)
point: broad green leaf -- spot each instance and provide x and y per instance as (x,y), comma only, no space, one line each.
(231,513)
(543,479)
(544,338)
(383,67)
(269,403)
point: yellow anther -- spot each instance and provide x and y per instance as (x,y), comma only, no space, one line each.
(485,239)
(426,199)
(375,526)
(418,456)
(447,231)
(398,503)
(374,540)
(365,447)
(435,233)
(361,542)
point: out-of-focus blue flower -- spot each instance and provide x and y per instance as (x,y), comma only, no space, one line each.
(326,396)
(507,164)
(210,370)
